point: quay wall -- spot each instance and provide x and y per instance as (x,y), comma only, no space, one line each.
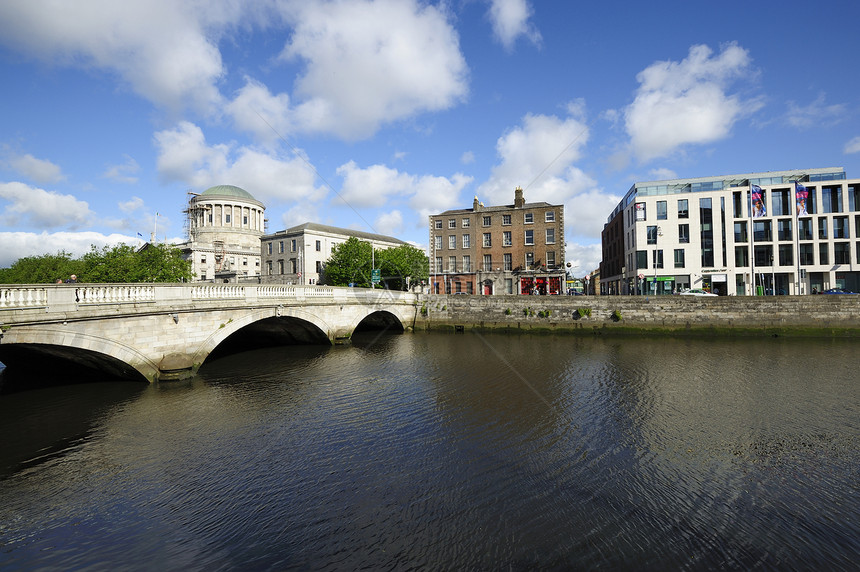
(821,315)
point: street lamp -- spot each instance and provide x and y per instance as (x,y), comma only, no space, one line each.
(659,234)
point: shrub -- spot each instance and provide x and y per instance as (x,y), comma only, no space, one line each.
(583,312)
(616,316)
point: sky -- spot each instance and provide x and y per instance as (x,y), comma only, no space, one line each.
(374,114)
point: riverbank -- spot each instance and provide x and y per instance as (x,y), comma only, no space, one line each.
(794,316)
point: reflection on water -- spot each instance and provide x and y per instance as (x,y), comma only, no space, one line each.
(448,451)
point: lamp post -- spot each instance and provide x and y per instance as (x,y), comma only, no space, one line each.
(659,234)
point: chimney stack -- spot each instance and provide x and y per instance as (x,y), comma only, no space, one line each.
(519,201)
(476,205)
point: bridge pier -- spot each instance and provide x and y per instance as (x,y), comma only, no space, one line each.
(176,367)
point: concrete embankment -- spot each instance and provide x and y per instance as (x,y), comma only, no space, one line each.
(821,315)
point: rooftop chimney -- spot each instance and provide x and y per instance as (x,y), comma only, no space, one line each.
(519,201)
(476,205)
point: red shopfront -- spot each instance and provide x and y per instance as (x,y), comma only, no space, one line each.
(542,285)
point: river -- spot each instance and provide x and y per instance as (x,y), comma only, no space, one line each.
(444,452)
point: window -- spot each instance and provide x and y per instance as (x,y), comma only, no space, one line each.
(438,242)
(280,266)
(762,231)
(779,202)
(452,223)
(641,259)
(269,267)
(741,232)
(823,254)
(742,258)
(763,255)
(487,220)
(658,259)
(822,229)
(684,233)
(783,229)
(488,241)
(293,245)
(550,236)
(464,223)
(467,241)
(807,258)
(319,246)
(467,263)
(651,234)
(488,263)
(662,211)
(506,238)
(469,287)
(245,220)
(804,228)
(281,247)
(683,208)
(508,261)
(831,199)
(737,210)
(530,237)
(854,197)
(506,219)
(706,233)
(550,259)
(842,253)
(269,248)
(203,257)
(529,218)
(452,264)
(786,254)
(840,227)
(292,265)
(244,261)
(438,264)
(530,259)
(549,216)
(227,218)
(452,242)
(319,266)
(438,224)
(679,258)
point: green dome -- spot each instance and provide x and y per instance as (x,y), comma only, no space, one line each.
(228,191)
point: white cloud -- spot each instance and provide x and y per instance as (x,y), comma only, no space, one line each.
(390,223)
(816,114)
(123,173)
(132,205)
(160,48)
(184,155)
(687,102)
(662,174)
(510,20)
(372,186)
(583,258)
(467,158)
(257,111)
(398,57)
(41,208)
(40,171)
(15,245)
(538,155)
(853,146)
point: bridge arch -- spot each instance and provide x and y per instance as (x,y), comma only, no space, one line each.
(380,320)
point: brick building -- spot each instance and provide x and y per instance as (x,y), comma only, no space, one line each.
(511,249)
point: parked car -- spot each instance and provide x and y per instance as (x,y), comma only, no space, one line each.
(837,291)
(696,292)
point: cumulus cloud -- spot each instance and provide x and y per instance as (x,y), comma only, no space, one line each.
(124,172)
(164,51)
(185,156)
(397,57)
(132,205)
(15,245)
(257,111)
(40,171)
(379,185)
(510,20)
(41,208)
(687,102)
(852,146)
(389,223)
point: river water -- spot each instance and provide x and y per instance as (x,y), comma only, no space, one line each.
(444,452)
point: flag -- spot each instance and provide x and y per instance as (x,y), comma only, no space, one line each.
(801,193)
(140,235)
(758,207)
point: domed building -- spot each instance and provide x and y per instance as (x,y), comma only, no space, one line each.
(224,225)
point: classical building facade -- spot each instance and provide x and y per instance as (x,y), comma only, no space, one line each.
(511,249)
(296,255)
(224,224)
(774,232)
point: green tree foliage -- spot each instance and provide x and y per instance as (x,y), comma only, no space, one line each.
(402,266)
(351,261)
(121,263)
(41,269)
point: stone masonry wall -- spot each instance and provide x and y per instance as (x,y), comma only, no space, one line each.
(833,315)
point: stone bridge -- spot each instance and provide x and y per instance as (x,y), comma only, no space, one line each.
(166,331)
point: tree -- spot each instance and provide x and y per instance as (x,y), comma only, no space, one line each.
(41,269)
(402,266)
(350,263)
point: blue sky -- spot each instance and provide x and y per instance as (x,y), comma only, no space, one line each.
(373,114)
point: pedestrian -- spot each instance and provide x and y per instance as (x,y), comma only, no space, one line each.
(72,279)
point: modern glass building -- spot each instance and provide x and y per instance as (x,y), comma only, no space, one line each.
(774,232)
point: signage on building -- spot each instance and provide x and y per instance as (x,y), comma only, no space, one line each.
(640,211)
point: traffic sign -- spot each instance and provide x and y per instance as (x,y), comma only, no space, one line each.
(375,275)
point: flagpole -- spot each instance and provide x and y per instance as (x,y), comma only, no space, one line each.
(752,240)
(797,239)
